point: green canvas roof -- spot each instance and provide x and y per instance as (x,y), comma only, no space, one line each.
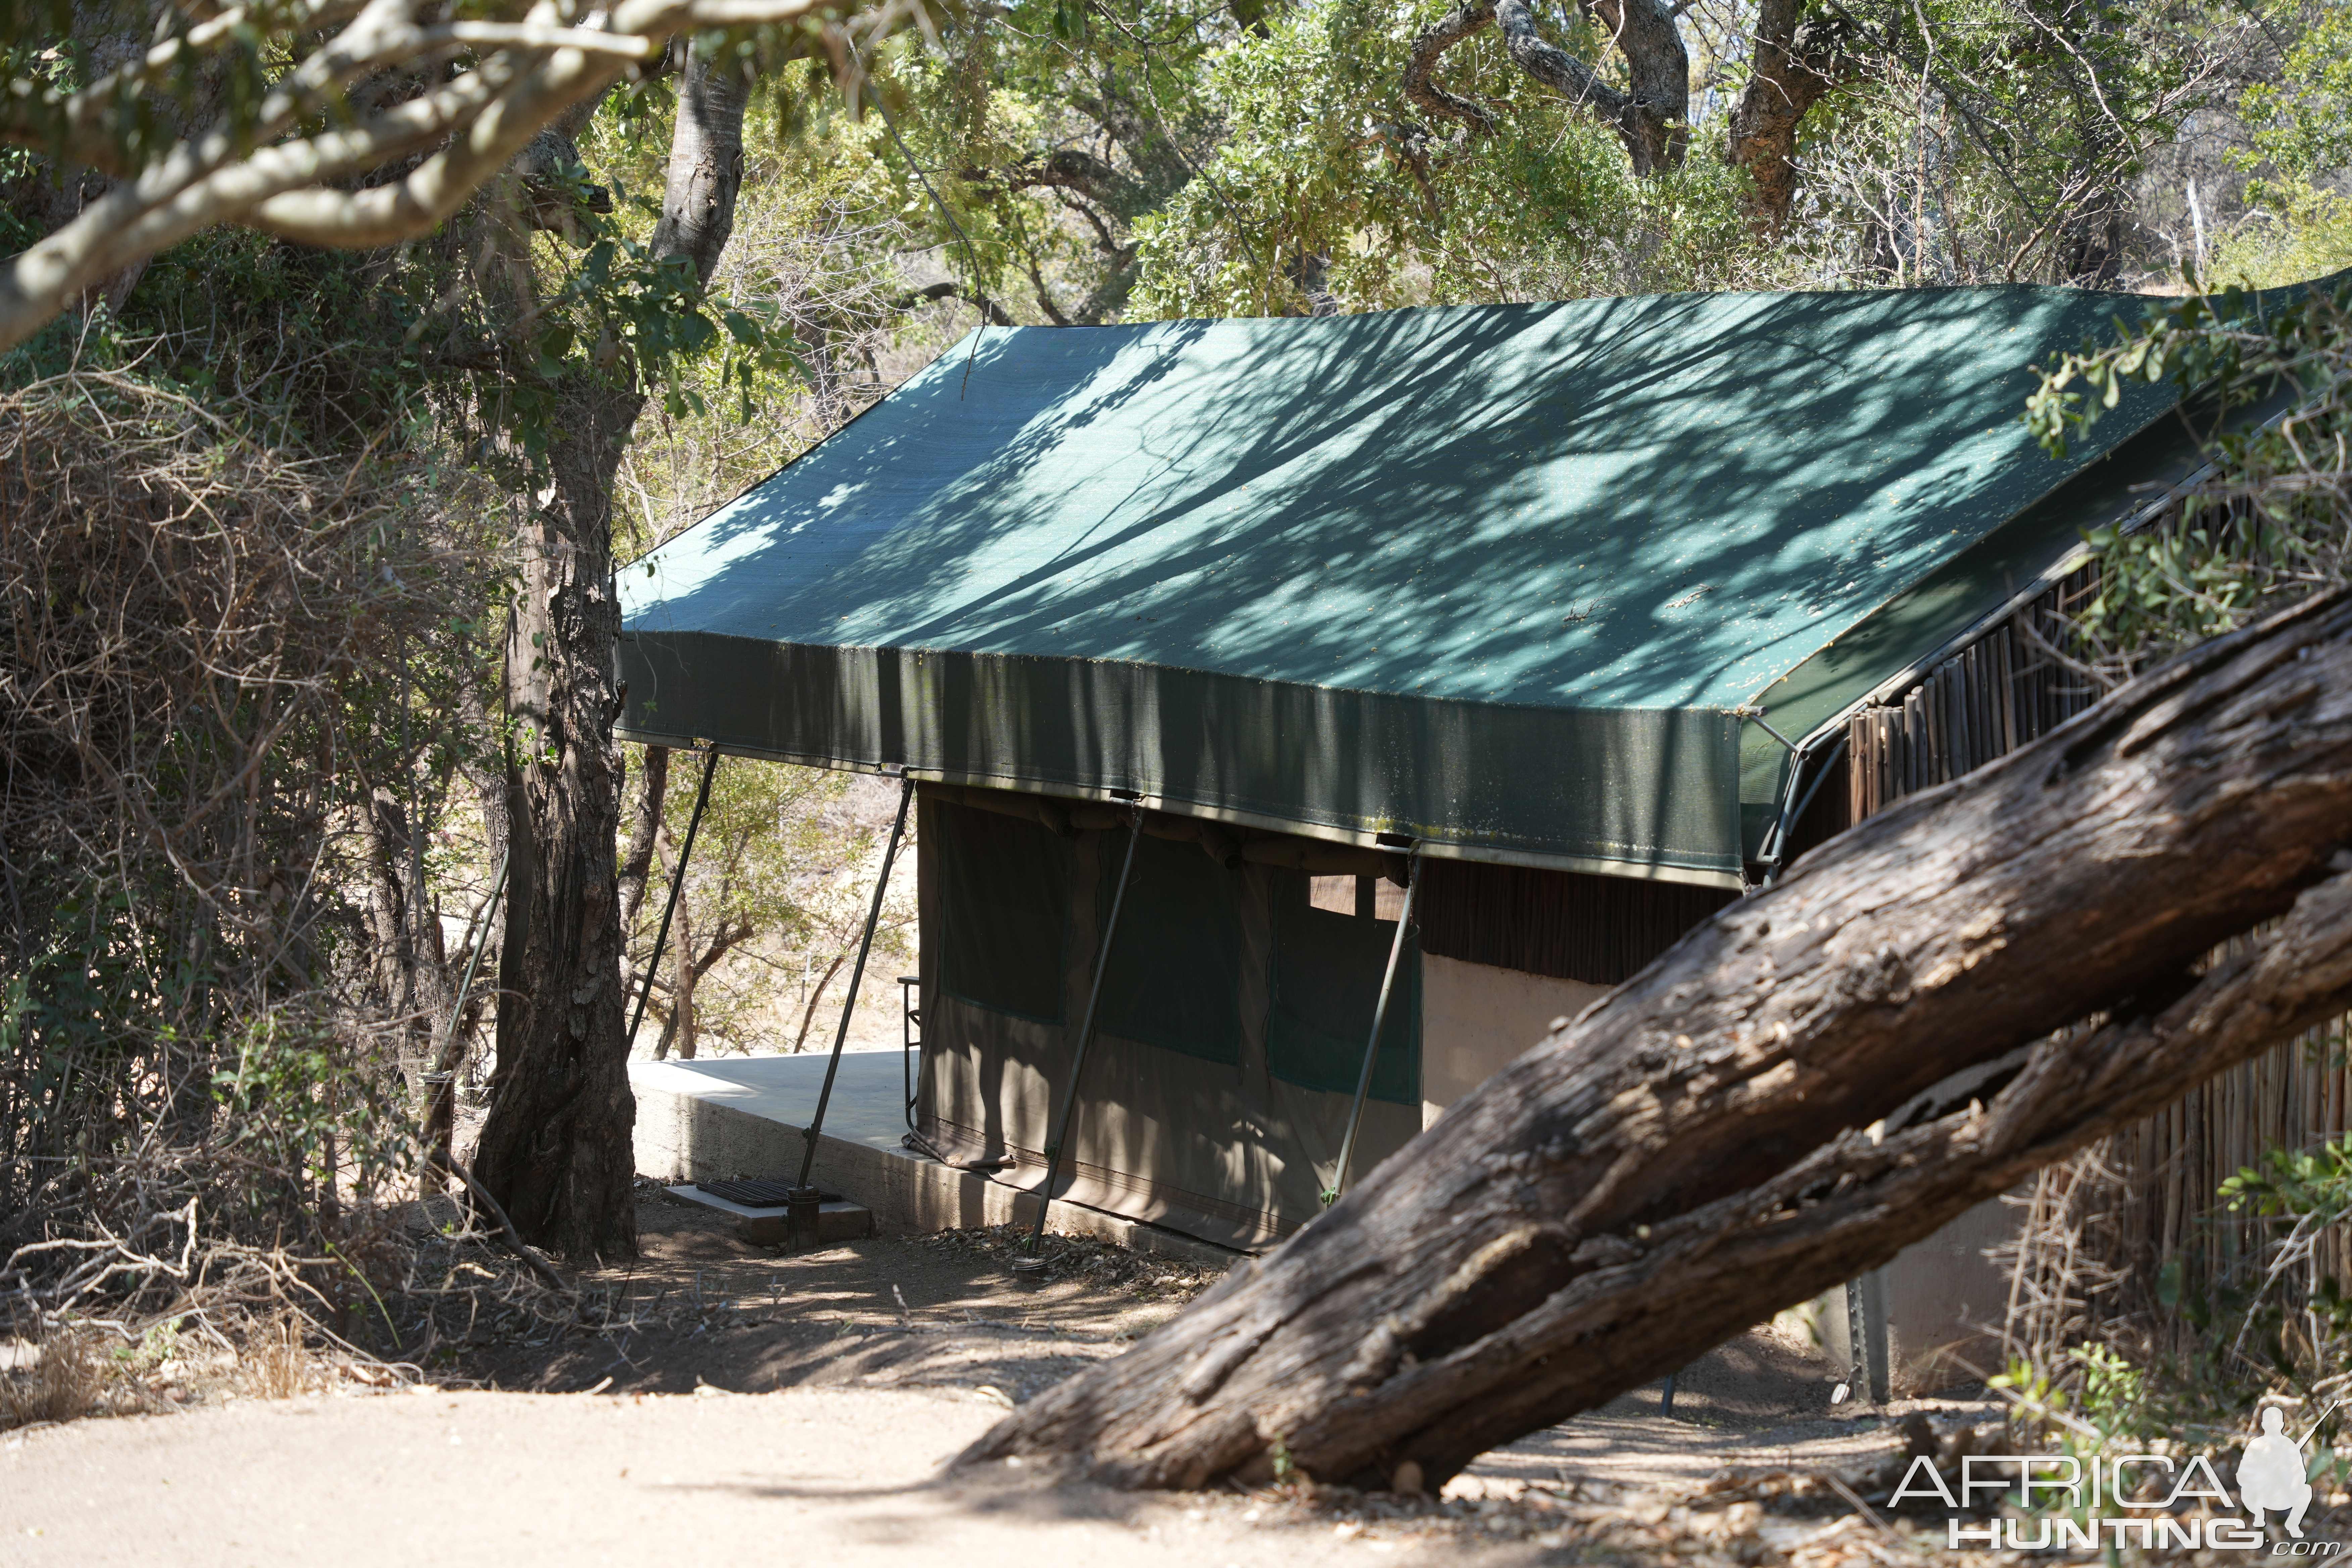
(1498,579)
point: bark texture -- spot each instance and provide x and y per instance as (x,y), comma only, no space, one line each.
(1798,62)
(1651,114)
(1688,1156)
(556,1147)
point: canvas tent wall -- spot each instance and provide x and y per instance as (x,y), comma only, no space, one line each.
(1237,1005)
(1540,592)
(1233,1018)
(1528,584)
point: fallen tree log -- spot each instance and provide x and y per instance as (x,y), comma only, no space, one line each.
(1696,1153)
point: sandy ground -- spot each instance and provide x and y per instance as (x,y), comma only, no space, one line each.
(767,1406)
(838,1475)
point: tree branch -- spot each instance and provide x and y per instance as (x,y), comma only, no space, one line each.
(1429,47)
(990,310)
(706,165)
(1074,169)
(1651,120)
(479,122)
(1555,67)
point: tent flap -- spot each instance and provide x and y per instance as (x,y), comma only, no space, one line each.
(1654,788)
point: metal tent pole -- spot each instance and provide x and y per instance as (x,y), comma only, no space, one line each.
(1380,1017)
(1028,1260)
(1793,809)
(909,1048)
(1865,1338)
(800,1190)
(676,881)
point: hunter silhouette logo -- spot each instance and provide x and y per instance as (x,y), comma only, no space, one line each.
(2097,1504)
(2271,1478)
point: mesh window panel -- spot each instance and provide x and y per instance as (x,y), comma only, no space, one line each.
(1600,930)
(1006,904)
(1175,971)
(1327,982)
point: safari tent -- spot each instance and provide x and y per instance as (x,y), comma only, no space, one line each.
(1573,616)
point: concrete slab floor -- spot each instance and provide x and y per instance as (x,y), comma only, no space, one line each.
(868,1103)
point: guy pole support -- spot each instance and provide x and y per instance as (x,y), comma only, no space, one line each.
(804,1207)
(676,881)
(1027,1260)
(1380,1017)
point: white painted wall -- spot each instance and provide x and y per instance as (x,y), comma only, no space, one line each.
(1474,1018)
(1940,1293)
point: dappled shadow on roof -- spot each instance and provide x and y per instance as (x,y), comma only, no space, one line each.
(1644,503)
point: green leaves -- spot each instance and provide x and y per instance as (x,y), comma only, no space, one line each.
(1066,20)
(2289,1183)
(1329,188)
(2270,521)
(2302,121)
(2201,343)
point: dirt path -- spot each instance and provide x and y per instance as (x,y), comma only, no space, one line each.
(703,1308)
(836,1475)
(761,1406)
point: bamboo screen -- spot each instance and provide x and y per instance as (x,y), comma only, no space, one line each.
(1995,695)
(2002,691)
(1565,925)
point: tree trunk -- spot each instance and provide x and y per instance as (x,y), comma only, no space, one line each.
(555,1149)
(728,937)
(394,962)
(440,1120)
(1654,120)
(411,962)
(1797,63)
(636,864)
(493,796)
(1688,1155)
(808,1014)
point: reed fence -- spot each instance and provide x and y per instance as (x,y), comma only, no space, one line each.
(2139,1224)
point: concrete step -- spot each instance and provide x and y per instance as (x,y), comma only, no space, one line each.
(837,1218)
(837,1221)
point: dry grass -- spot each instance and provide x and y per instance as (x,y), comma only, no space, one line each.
(65,1381)
(162,1316)
(1085,1257)
(277,1364)
(207,674)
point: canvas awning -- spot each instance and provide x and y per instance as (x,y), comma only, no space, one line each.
(1513,581)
